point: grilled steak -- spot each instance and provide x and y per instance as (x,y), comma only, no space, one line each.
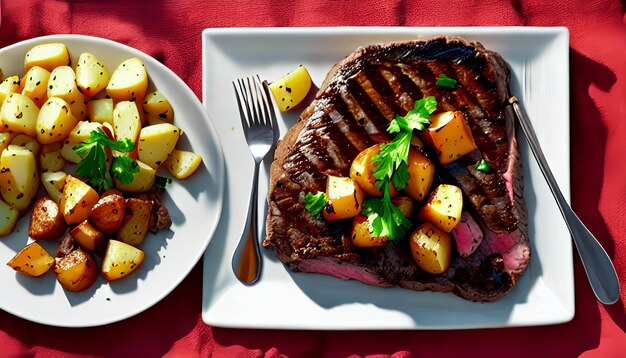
(353,107)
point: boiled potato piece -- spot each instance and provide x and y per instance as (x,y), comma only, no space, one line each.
(120,260)
(142,181)
(444,207)
(32,260)
(136,219)
(55,121)
(29,143)
(451,136)
(50,158)
(48,56)
(362,171)
(89,238)
(36,85)
(291,89)
(421,175)
(152,120)
(77,200)
(345,198)
(129,81)
(80,133)
(157,105)
(100,110)
(182,164)
(54,182)
(361,234)
(126,121)
(19,178)
(108,213)
(431,248)
(19,115)
(77,270)
(46,221)
(91,75)
(8,218)
(8,86)
(5,139)
(156,143)
(62,84)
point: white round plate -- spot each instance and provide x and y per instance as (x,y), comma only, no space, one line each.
(195,206)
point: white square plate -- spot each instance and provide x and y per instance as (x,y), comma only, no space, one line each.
(539,59)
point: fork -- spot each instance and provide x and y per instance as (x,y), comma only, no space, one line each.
(258,121)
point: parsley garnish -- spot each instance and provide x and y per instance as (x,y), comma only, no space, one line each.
(483,166)
(161,182)
(93,166)
(445,81)
(314,204)
(384,217)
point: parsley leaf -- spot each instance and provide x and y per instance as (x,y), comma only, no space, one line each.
(314,204)
(445,81)
(124,168)
(384,217)
(483,166)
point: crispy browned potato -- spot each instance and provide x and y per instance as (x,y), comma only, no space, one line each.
(46,220)
(77,200)
(33,260)
(89,238)
(136,219)
(108,213)
(77,270)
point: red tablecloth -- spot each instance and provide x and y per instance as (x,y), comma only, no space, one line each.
(170,30)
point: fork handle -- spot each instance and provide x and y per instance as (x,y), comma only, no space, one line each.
(247,258)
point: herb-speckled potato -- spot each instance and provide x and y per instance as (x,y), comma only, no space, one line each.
(129,81)
(77,200)
(19,115)
(46,220)
(120,259)
(48,56)
(32,260)
(136,219)
(77,270)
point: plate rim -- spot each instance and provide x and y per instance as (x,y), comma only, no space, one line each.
(558,33)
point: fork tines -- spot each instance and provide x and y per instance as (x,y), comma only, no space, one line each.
(253,99)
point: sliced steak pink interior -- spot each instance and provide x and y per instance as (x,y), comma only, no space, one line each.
(353,107)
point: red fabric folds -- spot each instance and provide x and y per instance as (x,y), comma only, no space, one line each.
(170,31)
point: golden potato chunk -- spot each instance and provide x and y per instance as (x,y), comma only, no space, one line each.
(136,219)
(129,81)
(8,218)
(32,260)
(62,84)
(142,180)
(345,198)
(36,84)
(19,178)
(80,133)
(182,164)
(54,182)
(120,259)
(8,86)
(156,143)
(55,121)
(46,220)
(451,136)
(89,238)
(444,207)
(291,89)
(48,56)
(91,75)
(77,200)
(100,110)
(27,142)
(431,248)
(421,174)
(50,158)
(19,115)
(362,171)
(126,121)
(77,270)
(156,104)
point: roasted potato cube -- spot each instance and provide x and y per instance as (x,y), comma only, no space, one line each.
(46,220)
(77,270)
(19,178)
(129,81)
(89,238)
(362,171)
(8,218)
(156,143)
(345,198)
(182,164)
(421,174)
(77,200)
(62,84)
(136,219)
(55,121)
(451,136)
(142,181)
(32,260)
(156,104)
(8,86)
(120,260)
(19,115)
(431,248)
(291,89)
(108,213)
(54,182)
(126,121)
(48,56)
(100,110)
(29,143)
(91,75)
(36,85)
(444,207)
